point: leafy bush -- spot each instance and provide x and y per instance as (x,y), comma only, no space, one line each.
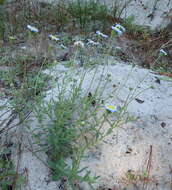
(7,172)
(132,28)
(86,11)
(2,23)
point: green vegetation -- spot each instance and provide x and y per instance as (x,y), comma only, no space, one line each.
(83,12)
(24,88)
(2,2)
(119,7)
(75,117)
(75,126)
(132,28)
(2,23)
(7,172)
(9,178)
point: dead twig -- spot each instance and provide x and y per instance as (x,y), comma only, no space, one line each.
(148,169)
(5,129)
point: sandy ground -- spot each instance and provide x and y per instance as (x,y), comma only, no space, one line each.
(134,147)
(155,14)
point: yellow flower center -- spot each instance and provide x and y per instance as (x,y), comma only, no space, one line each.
(111,107)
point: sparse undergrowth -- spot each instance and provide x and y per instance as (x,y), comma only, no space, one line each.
(76,17)
(9,177)
(75,122)
(22,82)
(7,172)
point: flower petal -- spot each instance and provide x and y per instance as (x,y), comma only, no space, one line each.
(32,28)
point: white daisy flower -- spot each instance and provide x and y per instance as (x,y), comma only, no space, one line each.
(101,34)
(32,28)
(79,43)
(12,38)
(111,108)
(91,42)
(163,52)
(53,37)
(119,29)
(118,48)
(63,46)
(119,32)
(23,47)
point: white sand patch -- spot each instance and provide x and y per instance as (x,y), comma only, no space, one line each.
(128,147)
